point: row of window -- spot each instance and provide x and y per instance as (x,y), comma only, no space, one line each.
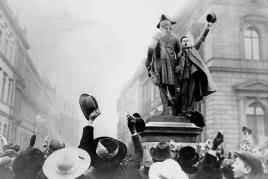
(6,87)
(27,111)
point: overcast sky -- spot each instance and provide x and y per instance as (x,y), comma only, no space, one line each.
(91,46)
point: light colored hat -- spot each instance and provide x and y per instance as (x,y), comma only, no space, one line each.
(66,163)
(168,169)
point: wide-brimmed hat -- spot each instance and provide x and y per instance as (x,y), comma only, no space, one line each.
(66,163)
(140,124)
(161,152)
(107,151)
(88,104)
(251,160)
(197,118)
(169,169)
(164,17)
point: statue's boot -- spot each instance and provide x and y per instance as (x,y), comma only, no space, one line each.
(165,101)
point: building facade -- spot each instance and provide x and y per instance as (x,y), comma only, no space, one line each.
(29,104)
(236,53)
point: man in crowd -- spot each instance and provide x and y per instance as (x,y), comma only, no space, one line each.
(194,77)
(109,156)
(247,166)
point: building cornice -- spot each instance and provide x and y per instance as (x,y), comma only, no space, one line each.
(14,23)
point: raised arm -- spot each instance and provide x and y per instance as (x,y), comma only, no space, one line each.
(135,160)
(202,37)
(88,131)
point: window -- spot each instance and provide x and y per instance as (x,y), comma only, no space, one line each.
(9,91)
(5,131)
(252,44)
(256,121)
(3,85)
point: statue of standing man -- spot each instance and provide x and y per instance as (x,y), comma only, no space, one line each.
(175,66)
(161,62)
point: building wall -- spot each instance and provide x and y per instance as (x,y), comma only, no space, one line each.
(241,82)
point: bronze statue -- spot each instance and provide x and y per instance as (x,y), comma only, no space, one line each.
(161,62)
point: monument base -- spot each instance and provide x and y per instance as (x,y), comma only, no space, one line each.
(165,128)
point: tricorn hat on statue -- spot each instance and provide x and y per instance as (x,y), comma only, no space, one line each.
(140,124)
(164,17)
(88,104)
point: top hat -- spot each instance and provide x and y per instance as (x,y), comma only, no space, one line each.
(140,124)
(211,17)
(197,118)
(88,104)
(164,17)
(66,163)
(108,151)
(161,152)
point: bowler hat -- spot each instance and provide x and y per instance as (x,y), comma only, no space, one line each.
(211,17)
(164,17)
(197,118)
(108,151)
(140,124)
(188,156)
(251,160)
(88,104)
(161,152)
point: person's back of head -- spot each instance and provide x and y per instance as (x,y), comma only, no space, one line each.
(28,163)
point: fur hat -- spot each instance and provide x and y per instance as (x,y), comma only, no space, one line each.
(164,17)
(161,152)
(88,104)
(107,151)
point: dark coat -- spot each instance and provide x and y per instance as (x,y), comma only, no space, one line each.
(162,57)
(206,84)
(128,166)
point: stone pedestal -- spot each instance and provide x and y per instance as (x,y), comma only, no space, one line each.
(165,128)
(177,128)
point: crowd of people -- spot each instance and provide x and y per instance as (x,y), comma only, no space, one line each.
(108,158)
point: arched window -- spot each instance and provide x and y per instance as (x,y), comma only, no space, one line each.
(256,121)
(252,44)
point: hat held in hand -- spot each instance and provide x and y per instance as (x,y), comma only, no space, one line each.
(140,124)
(88,104)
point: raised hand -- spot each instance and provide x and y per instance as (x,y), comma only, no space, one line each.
(94,115)
(131,123)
